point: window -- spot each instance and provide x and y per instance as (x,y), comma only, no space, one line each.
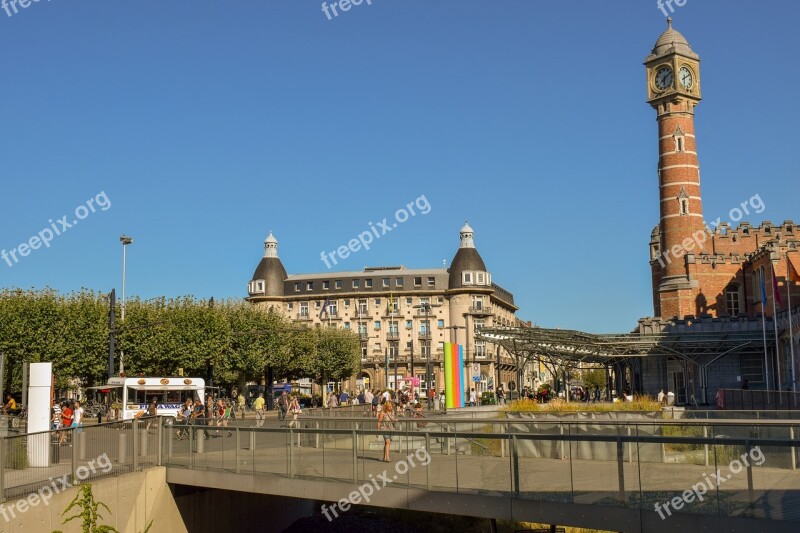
(732,299)
(393,329)
(425,350)
(261,286)
(303,308)
(377,325)
(326,285)
(480,278)
(440,345)
(467,278)
(386,282)
(367,283)
(377,347)
(347,326)
(417,281)
(356,283)
(409,302)
(439,300)
(440,323)
(316,304)
(338,284)
(364,352)
(409,345)
(347,302)
(289,306)
(394,350)
(480,348)
(478,323)
(309,285)
(297,287)
(362,307)
(425,327)
(333,308)
(409,324)
(362,330)
(684,206)
(431,282)
(377,301)
(424,301)
(477,302)
(394,305)
(398,282)
(679,144)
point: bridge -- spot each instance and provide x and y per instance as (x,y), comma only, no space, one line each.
(613,471)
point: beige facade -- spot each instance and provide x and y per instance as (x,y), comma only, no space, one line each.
(403,316)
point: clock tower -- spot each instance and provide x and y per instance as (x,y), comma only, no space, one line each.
(673,90)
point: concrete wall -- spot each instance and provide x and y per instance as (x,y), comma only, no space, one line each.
(133,499)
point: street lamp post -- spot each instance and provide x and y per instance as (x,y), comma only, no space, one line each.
(125,240)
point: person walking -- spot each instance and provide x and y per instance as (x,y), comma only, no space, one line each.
(242,403)
(294,408)
(333,401)
(283,405)
(184,416)
(386,421)
(66,422)
(258,405)
(472,397)
(77,417)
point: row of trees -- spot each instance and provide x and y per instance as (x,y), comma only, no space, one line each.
(229,341)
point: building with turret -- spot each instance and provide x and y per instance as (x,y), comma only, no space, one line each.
(403,316)
(710,274)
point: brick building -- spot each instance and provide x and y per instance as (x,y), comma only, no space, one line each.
(709,272)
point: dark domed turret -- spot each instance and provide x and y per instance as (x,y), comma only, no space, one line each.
(270,274)
(467,268)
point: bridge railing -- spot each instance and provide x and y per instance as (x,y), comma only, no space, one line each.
(612,463)
(50,461)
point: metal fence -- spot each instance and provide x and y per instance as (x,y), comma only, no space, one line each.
(61,458)
(607,463)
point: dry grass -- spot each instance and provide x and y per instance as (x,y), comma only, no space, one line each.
(639,403)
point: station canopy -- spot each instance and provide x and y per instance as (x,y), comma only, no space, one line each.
(582,347)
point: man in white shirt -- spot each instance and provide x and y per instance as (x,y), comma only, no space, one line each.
(77,416)
(368,396)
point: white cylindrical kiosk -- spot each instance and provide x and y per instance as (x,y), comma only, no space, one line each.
(41,378)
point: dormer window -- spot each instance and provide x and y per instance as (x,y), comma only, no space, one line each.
(467,278)
(309,285)
(260,286)
(480,278)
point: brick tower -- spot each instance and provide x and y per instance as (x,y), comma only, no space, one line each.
(673,87)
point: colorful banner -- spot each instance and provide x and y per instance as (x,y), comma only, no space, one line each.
(453,375)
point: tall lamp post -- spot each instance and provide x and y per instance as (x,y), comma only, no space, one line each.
(125,240)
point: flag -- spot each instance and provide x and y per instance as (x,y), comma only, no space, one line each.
(763,289)
(324,310)
(793,274)
(390,304)
(775,288)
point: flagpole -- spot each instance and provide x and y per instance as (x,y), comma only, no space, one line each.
(791,330)
(764,327)
(775,323)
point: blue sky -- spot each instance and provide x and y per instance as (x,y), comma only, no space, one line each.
(207,124)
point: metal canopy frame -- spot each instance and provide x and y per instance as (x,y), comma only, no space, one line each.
(602,349)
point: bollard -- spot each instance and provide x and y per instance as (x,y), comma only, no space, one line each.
(122,447)
(143,442)
(82,445)
(238,446)
(252,441)
(705,435)
(200,440)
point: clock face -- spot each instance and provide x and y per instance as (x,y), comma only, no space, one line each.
(686,77)
(664,78)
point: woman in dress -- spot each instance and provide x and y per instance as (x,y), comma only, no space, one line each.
(294,408)
(386,420)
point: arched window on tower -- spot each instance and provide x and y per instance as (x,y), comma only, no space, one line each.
(732,301)
(684,206)
(679,144)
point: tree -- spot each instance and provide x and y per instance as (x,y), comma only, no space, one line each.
(337,357)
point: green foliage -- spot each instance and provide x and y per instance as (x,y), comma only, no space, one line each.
(17,455)
(234,340)
(88,510)
(594,377)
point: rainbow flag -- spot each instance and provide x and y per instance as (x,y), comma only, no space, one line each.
(453,375)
